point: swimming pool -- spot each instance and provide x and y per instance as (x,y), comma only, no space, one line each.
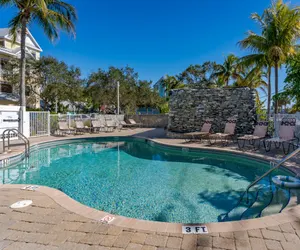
(140,179)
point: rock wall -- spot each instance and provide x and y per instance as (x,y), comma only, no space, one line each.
(190,107)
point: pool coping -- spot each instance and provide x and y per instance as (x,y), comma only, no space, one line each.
(287,215)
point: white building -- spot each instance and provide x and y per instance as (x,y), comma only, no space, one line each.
(8,49)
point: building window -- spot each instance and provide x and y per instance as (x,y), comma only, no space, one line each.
(6,88)
(2,44)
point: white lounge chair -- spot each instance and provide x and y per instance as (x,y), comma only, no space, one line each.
(81,128)
(98,125)
(63,128)
(133,123)
(110,125)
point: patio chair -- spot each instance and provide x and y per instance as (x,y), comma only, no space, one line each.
(97,125)
(110,125)
(259,133)
(286,135)
(227,135)
(64,128)
(118,123)
(124,125)
(133,123)
(199,135)
(81,128)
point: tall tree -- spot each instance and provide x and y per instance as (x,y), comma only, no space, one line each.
(260,61)
(134,93)
(283,31)
(200,75)
(292,88)
(280,29)
(51,15)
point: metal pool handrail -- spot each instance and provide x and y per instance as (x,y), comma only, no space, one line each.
(20,135)
(272,169)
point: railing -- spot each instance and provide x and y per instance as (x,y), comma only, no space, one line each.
(20,135)
(270,171)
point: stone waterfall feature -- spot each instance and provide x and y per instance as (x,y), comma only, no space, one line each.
(190,107)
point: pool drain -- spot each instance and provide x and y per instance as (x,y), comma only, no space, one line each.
(21,204)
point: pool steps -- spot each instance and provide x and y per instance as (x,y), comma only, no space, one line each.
(267,199)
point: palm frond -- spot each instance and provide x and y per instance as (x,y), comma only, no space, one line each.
(5,3)
(15,25)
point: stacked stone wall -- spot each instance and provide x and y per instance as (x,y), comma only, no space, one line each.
(190,107)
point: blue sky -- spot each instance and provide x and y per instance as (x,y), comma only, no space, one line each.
(155,37)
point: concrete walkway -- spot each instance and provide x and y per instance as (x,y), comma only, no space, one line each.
(47,225)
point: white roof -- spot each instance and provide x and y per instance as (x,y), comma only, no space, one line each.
(30,41)
(4,32)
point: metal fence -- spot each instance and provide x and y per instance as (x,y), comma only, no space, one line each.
(39,123)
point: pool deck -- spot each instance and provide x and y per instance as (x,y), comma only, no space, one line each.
(55,221)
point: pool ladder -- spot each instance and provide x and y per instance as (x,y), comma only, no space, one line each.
(7,134)
(224,217)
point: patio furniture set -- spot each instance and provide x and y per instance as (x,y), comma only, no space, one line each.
(285,138)
(96,125)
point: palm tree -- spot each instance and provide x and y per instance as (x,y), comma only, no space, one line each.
(171,82)
(258,60)
(283,102)
(51,15)
(226,71)
(280,31)
(252,78)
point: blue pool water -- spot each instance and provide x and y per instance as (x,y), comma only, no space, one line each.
(134,178)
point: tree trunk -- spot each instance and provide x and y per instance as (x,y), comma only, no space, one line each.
(22,74)
(269,91)
(276,86)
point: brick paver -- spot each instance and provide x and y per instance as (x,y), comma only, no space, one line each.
(34,229)
(273,245)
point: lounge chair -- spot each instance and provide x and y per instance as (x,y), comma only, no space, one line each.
(81,128)
(97,125)
(133,123)
(124,125)
(64,128)
(110,125)
(226,135)
(118,123)
(198,135)
(286,135)
(259,133)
